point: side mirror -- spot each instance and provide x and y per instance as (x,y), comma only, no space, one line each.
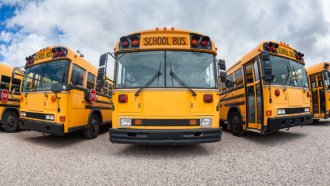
(223,77)
(264,56)
(12,77)
(229,83)
(57,88)
(103,59)
(267,64)
(100,73)
(100,84)
(222,64)
(75,77)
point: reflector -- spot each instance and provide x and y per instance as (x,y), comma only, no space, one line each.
(277,92)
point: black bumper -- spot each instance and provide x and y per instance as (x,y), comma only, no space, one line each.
(165,137)
(56,129)
(289,121)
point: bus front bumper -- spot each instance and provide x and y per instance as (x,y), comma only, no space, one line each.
(56,129)
(289,121)
(165,137)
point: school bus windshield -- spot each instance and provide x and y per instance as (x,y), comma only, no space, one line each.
(42,76)
(288,72)
(134,70)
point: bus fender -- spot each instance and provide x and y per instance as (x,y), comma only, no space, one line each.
(10,108)
(98,112)
(230,110)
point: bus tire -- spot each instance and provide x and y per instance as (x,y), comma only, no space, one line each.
(10,121)
(93,129)
(236,126)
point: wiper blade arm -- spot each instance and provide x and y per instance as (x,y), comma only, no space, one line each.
(182,83)
(287,82)
(150,81)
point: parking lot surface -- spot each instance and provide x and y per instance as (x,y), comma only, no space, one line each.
(300,156)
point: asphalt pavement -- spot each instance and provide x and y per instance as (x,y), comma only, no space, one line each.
(300,156)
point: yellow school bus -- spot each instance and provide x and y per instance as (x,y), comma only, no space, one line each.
(165,88)
(268,91)
(60,94)
(9,97)
(319,75)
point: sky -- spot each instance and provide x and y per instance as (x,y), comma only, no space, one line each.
(94,26)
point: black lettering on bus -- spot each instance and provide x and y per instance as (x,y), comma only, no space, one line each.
(167,41)
(183,40)
(164,40)
(174,40)
(159,41)
(146,41)
(179,41)
(154,39)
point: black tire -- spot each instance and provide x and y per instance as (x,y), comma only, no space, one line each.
(93,129)
(235,123)
(10,121)
(315,120)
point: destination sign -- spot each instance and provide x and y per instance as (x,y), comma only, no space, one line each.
(44,55)
(165,41)
(286,52)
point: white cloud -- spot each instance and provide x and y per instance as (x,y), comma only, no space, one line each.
(236,27)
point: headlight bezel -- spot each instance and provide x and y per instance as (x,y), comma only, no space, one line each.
(206,118)
(127,119)
(281,112)
(307,109)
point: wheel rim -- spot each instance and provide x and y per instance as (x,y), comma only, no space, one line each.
(94,125)
(11,121)
(235,122)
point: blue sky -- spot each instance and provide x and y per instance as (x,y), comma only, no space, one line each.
(95,26)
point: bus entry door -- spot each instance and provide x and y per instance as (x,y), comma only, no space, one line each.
(318,95)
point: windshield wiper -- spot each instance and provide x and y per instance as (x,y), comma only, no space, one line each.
(43,73)
(150,81)
(296,77)
(180,81)
(287,82)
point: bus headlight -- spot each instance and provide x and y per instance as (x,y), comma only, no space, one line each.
(206,122)
(23,114)
(125,122)
(307,109)
(50,117)
(280,111)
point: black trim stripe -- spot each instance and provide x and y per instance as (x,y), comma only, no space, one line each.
(77,128)
(17,100)
(165,122)
(233,97)
(104,102)
(235,104)
(99,108)
(233,66)
(236,88)
(6,105)
(10,92)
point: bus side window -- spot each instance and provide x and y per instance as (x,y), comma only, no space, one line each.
(239,77)
(5,82)
(105,88)
(313,80)
(231,77)
(82,74)
(90,81)
(16,85)
(110,88)
(320,79)
(256,70)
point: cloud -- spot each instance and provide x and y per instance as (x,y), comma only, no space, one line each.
(94,27)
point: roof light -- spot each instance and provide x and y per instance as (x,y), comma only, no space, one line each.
(195,40)
(172,28)
(205,41)
(124,42)
(164,28)
(157,28)
(61,53)
(55,54)
(135,41)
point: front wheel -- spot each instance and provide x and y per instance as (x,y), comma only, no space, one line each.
(236,126)
(93,127)
(10,121)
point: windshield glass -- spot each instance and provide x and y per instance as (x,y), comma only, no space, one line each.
(133,70)
(44,75)
(288,72)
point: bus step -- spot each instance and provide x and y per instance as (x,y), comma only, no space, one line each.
(253,130)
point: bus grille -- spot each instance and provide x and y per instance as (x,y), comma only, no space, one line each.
(165,122)
(294,110)
(36,115)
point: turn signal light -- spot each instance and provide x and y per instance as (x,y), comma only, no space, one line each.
(192,122)
(22,99)
(307,94)
(205,41)
(62,118)
(53,98)
(123,98)
(138,122)
(277,92)
(268,112)
(208,98)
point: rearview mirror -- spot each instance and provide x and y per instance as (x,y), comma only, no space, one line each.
(103,59)
(75,77)
(229,83)
(100,84)
(223,76)
(222,64)
(100,73)
(57,88)
(12,76)
(264,56)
